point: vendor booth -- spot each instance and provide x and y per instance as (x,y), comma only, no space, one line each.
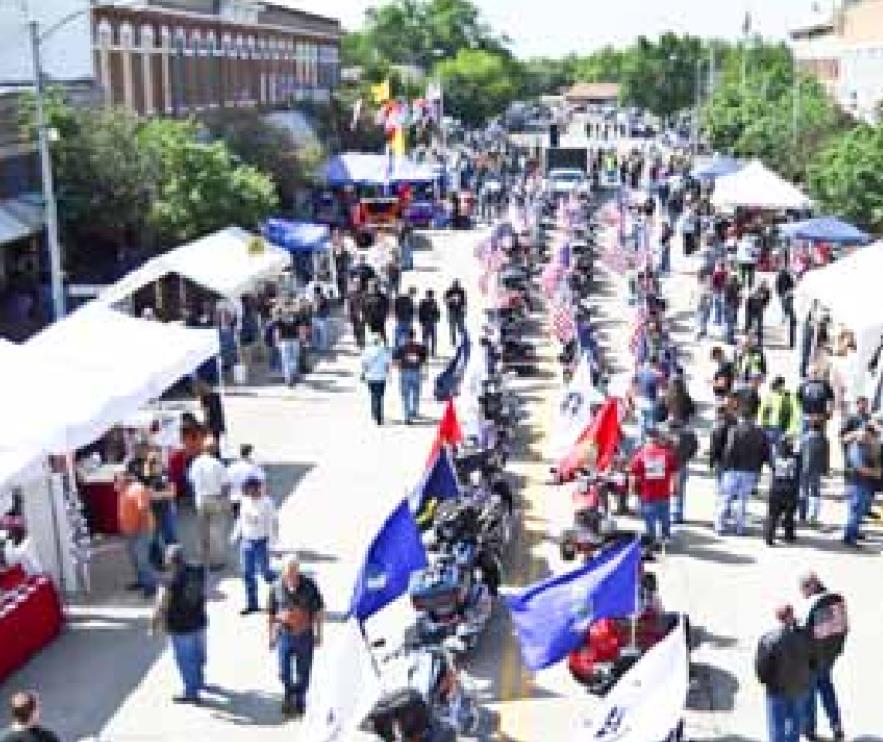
(717,166)
(309,244)
(229,263)
(825,229)
(756,186)
(850,290)
(65,389)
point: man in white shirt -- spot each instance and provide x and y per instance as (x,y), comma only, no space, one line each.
(240,470)
(259,528)
(211,489)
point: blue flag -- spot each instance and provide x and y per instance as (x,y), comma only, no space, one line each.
(395,553)
(447,383)
(552,617)
(439,483)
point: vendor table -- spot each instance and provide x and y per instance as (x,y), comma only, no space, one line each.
(30,618)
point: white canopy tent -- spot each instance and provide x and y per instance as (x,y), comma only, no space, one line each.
(65,388)
(756,186)
(850,290)
(224,262)
(81,376)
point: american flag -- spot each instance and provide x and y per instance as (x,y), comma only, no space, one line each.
(562,322)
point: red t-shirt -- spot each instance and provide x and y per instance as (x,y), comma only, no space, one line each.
(653,467)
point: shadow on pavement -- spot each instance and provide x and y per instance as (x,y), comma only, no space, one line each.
(712,688)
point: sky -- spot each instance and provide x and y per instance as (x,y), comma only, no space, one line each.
(557,27)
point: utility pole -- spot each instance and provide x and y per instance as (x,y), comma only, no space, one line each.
(50,206)
(698,104)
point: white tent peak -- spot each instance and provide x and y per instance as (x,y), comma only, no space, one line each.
(755,185)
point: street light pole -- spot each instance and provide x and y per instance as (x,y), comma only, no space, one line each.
(50,206)
(698,105)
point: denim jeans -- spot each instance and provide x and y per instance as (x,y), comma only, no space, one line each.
(810,503)
(736,487)
(138,547)
(859,499)
(254,556)
(717,307)
(702,315)
(401,333)
(782,718)
(295,655)
(430,337)
(677,509)
(457,326)
(321,337)
(409,381)
(665,258)
(821,687)
(166,530)
(656,512)
(730,317)
(189,651)
(376,389)
(289,355)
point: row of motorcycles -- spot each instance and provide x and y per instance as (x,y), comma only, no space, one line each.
(611,646)
(466,537)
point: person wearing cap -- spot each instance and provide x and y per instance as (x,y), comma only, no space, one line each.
(782,665)
(653,473)
(258,531)
(784,490)
(296,617)
(376,360)
(862,475)
(779,412)
(181,613)
(826,625)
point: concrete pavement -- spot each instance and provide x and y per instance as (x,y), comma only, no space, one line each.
(336,476)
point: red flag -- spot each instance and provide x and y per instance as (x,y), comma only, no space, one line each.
(448,432)
(597,444)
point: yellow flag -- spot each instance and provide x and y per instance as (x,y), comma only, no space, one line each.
(397,143)
(381,92)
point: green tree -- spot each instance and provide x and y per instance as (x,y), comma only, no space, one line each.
(661,76)
(200,188)
(104,181)
(267,147)
(846,176)
(478,84)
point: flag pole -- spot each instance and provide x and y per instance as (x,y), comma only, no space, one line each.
(374,663)
(633,646)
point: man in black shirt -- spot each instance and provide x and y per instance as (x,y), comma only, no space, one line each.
(428,315)
(25,710)
(375,307)
(816,397)
(410,357)
(724,373)
(404,308)
(296,613)
(455,301)
(181,612)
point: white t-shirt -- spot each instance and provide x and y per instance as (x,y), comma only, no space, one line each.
(208,477)
(239,472)
(257,519)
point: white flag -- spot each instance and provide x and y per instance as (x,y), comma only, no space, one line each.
(648,702)
(340,699)
(574,411)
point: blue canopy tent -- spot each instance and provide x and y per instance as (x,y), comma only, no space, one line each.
(310,245)
(826,229)
(716,167)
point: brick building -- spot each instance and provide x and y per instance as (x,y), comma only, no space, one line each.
(177,57)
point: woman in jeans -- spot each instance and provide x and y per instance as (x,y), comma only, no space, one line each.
(376,360)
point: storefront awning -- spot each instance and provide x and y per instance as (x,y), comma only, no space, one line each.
(19,218)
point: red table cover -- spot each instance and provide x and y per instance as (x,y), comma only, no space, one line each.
(30,618)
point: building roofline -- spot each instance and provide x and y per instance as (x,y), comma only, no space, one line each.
(304,13)
(134,10)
